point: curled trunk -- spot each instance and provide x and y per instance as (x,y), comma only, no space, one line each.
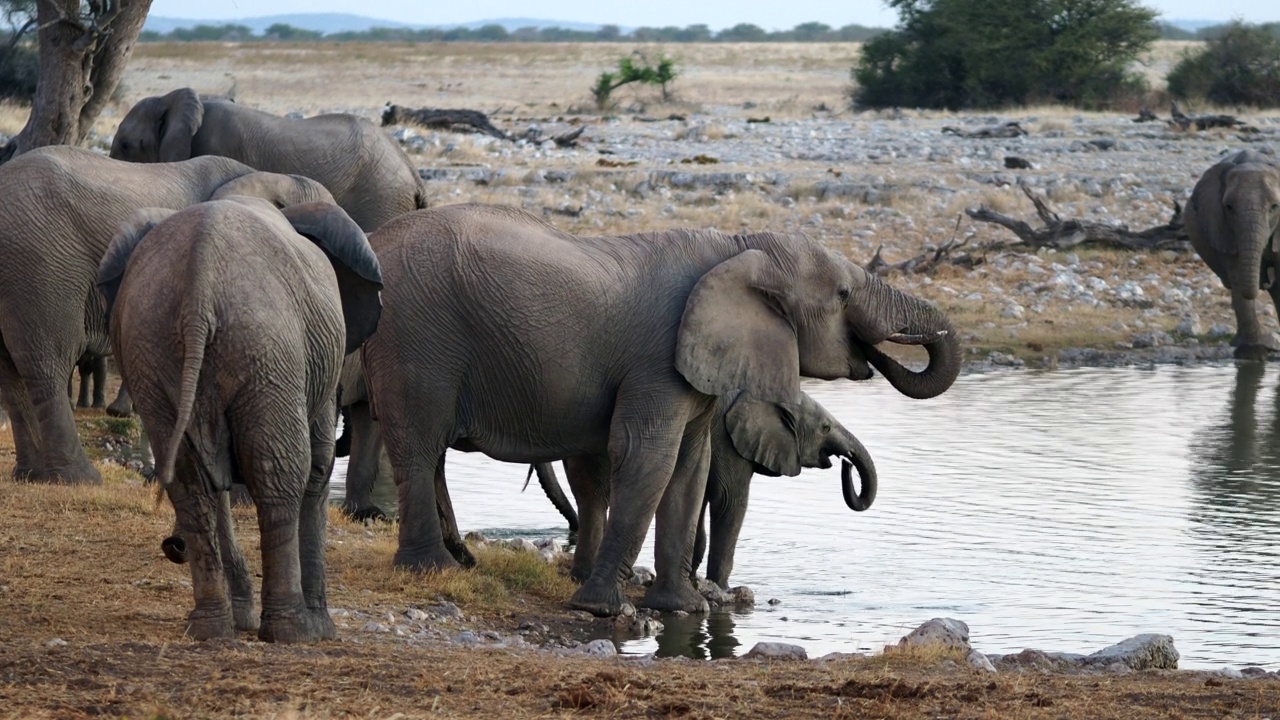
(856,456)
(912,321)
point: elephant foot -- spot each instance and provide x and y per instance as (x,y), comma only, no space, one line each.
(83,473)
(148,474)
(22,473)
(461,553)
(579,573)
(1252,352)
(371,512)
(203,626)
(425,562)
(666,597)
(301,625)
(601,601)
(120,410)
(243,614)
(174,548)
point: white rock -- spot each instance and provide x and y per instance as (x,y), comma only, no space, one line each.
(374,627)
(599,648)
(947,632)
(56,642)
(979,661)
(416,615)
(1140,652)
(1013,310)
(1230,672)
(1189,325)
(641,576)
(777,651)
(522,545)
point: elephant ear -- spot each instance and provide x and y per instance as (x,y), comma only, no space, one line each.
(354,263)
(765,434)
(111,269)
(736,332)
(278,189)
(183,113)
(1206,202)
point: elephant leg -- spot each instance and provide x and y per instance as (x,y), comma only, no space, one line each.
(699,546)
(196,512)
(17,405)
(273,449)
(677,518)
(81,400)
(449,522)
(99,375)
(1251,341)
(416,455)
(234,568)
(122,406)
(63,459)
(315,501)
(727,514)
(588,478)
(362,463)
(642,456)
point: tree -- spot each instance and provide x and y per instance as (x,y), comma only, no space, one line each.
(287,32)
(986,53)
(83,48)
(19,68)
(811,32)
(1239,66)
(742,32)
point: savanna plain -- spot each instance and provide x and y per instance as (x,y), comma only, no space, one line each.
(754,137)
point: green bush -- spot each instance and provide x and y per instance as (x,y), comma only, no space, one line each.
(1239,66)
(662,74)
(989,53)
(19,71)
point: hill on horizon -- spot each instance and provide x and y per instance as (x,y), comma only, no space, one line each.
(328,23)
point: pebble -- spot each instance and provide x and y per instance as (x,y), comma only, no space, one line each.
(777,651)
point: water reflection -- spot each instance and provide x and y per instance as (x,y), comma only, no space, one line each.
(702,637)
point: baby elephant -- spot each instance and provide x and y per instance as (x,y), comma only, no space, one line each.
(748,436)
(230,320)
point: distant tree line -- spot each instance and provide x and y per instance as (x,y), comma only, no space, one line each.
(742,32)
(1209,32)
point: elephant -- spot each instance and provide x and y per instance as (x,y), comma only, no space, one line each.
(229,320)
(504,335)
(367,172)
(748,436)
(62,207)
(1232,220)
(92,369)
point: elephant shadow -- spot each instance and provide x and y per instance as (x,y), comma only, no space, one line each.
(700,637)
(1235,466)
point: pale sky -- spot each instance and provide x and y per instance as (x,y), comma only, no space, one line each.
(772,15)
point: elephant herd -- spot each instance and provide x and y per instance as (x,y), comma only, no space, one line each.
(252,274)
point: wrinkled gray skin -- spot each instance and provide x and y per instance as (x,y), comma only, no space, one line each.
(360,433)
(229,320)
(366,171)
(92,369)
(62,205)
(1232,218)
(503,335)
(747,437)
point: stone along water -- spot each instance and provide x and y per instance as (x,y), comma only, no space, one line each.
(1059,510)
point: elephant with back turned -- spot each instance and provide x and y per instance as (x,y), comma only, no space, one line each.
(503,335)
(364,169)
(62,207)
(1232,220)
(230,320)
(747,437)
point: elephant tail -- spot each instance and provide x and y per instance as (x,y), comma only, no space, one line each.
(197,336)
(420,196)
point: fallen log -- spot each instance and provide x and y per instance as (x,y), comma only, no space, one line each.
(931,258)
(1063,234)
(1010,129)
(1203,122)
(456,119)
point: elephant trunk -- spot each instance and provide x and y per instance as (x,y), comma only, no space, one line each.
(856,456)
(1253,232)
(174,548)
(912,321)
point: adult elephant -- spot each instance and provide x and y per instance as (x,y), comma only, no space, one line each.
(230,320)
(747,437)
(62,207)
(367,172)
(1232,221)
(504,335)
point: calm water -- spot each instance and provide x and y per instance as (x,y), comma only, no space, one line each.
(1060,510)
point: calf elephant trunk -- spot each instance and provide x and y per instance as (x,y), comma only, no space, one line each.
(174,548)
(854,455)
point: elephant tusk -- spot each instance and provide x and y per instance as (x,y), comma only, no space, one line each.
(910,339)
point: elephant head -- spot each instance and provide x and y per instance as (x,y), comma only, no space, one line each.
(787,307)
(1238,202)
(159,129)
(277,189)
(782,438)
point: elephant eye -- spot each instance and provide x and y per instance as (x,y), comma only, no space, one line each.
(1229,207)
(844,293)
(826,428)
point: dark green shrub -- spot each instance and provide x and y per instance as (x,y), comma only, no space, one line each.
(1239,66)
(988,53)
(629,71)
(19,71)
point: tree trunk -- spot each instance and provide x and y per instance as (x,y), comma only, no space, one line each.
(82,57)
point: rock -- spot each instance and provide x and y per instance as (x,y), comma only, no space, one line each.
(522,545)
(979,661)
(416,615)
(548,544)
(447,609)
(1189,325)
(475,537)
(56,642)
(374,627)
(1253,671)
(1230,672)
(639,626)
(775,601)
(466,637)
(829,657)
(1012,311)
(599,648)
(1036,660)
(742,595)
(641,576)
(946,632)
(389,618)
(713,592)
(1219,330)
(777,651)
(339,612)
(1140,652)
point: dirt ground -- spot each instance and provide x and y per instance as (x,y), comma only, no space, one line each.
(91,622)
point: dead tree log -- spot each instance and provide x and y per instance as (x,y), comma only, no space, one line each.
(931,258)
(456,119)
(1204,122)
(1010,129)
(1063,234)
